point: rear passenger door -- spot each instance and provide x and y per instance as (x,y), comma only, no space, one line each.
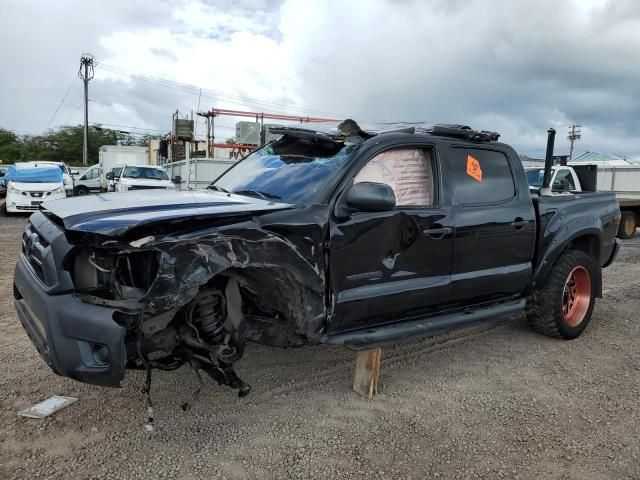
(495,225)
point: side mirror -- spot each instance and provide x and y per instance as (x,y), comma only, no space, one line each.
(371,197)
(1,173)
(177,179)
(75,172)
(109,175)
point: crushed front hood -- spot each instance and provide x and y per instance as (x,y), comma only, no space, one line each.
(114,214)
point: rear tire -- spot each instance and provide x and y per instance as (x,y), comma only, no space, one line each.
(563,305)
(628,224)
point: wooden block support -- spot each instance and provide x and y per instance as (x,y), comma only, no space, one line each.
(365,378)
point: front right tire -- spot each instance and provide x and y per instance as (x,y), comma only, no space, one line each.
(563,305)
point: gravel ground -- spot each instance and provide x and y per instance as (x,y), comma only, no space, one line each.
(497,401)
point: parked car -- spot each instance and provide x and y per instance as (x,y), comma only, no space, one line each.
(140,177)
(89,181)
(344,236)
(28,188)
(66,172)
(3,185)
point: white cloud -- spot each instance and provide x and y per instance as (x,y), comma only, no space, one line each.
(516,67)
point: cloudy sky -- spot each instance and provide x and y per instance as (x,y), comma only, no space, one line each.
(515,66)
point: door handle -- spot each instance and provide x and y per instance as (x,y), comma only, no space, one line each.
(438,232)
(519,223)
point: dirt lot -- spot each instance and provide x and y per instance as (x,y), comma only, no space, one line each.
(496,401)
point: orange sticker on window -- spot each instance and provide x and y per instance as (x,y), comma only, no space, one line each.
(473,168)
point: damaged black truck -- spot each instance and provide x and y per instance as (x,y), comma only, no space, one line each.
(343,236)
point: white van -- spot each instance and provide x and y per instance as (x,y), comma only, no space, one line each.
(66,173)
(28,188)
(90,181)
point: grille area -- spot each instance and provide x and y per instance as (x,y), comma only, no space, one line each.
(146,187)
(36,194)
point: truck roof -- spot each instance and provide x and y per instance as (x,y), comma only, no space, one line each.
(349,128)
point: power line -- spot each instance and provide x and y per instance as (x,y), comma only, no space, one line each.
(129,127)
(164,115)
(208,93)
(62,101)
(73,114)
(115,105)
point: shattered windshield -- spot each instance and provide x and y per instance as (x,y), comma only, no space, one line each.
(535,177)
(287,170)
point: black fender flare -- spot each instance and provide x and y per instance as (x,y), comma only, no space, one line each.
(565,238)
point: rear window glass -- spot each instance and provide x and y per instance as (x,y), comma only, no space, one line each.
(481,176)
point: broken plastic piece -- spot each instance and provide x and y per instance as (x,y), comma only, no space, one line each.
(47,407)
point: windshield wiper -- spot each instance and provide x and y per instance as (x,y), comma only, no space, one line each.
(256,193)
(217,188)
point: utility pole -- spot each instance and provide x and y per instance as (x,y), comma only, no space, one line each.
(209,119)
(86,74)
(574,134)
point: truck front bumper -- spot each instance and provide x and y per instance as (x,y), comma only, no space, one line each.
(76,339)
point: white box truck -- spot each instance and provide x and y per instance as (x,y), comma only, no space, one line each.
(115,156)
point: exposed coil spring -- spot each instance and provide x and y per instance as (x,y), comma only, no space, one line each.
(208,316)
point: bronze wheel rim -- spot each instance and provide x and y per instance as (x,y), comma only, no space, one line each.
(629,226)
(576,296)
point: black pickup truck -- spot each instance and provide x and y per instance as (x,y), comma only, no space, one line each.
(341,235)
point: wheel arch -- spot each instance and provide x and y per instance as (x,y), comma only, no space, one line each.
(588,241)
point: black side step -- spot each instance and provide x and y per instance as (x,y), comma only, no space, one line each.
(412,330)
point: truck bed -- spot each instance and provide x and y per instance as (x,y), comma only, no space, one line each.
(558,213)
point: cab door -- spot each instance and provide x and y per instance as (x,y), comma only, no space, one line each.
(495,225)
(386,266)
(94,182)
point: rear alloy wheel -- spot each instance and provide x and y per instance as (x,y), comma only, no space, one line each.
(576,296)
(628,224)
(562,306)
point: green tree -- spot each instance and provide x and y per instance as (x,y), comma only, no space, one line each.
(135,140)
(12,148)
(65,144)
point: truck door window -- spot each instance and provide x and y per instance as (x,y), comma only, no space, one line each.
(408,171)
(564,181)
(481,176)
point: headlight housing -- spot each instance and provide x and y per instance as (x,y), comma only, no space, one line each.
(58,190)
(11,189)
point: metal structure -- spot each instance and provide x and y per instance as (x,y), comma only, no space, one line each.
(86,74)
(238,149)
(574,134)
(199,172)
